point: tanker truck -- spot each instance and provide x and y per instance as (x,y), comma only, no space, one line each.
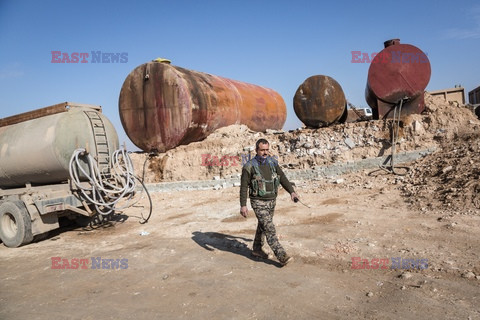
(60,161)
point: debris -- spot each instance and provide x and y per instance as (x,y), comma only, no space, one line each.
(368,185)
(468,275)
(451,174)
(349,143)
(405,275)
(450,130)
(308,145)
(446,169)
(418,127)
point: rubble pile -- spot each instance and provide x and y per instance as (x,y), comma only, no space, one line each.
(223,152)
(447,181)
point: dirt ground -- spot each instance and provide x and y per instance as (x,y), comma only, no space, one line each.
(192,260)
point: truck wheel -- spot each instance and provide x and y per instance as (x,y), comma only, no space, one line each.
(15,224)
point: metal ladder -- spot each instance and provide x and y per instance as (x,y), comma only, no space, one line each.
(100,138)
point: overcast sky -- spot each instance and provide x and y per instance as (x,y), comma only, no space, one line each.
(275,44)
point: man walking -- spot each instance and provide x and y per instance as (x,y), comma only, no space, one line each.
(262,176)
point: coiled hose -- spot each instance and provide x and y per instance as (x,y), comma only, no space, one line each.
(106,188)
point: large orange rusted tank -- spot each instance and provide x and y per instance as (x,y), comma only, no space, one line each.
(163,106)
(319,101)
(398,71)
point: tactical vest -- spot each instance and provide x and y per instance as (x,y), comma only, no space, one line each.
(259,183)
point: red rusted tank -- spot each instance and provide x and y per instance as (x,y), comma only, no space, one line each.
(163,106)
(398,71)
(319,101)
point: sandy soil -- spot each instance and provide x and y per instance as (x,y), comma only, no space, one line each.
(193,260)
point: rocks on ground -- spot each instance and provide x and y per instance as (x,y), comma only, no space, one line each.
(222,153)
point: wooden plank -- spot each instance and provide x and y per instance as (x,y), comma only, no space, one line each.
(30,115)
(61,107)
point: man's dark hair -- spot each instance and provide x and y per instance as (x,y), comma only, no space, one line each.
(262,141)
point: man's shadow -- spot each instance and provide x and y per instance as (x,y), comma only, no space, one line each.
(214,240)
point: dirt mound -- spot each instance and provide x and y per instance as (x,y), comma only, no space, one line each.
(447,181)
(223,152)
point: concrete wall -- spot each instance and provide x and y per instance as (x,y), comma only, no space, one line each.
(474,96)
(452,94)
(317,173)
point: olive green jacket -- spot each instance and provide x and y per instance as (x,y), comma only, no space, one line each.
(247,173)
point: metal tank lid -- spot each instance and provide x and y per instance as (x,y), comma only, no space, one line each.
(391,42)
(162,60)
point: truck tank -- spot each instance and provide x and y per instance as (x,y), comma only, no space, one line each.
(398,71)
(163,106)
(36,147)
(319,101)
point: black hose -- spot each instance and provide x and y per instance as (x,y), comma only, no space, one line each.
(145,220)
(153,153)
(395,129)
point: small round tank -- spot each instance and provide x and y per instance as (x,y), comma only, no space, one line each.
(398,71)
(163,106)
(319,101)
(38,150)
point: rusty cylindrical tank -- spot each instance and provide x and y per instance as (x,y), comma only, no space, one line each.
(163,106)
(319,101)
(36,147)
(398,71)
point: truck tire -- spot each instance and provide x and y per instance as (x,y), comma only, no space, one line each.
(15,224)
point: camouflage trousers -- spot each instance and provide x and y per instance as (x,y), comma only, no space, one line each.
(264,210)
